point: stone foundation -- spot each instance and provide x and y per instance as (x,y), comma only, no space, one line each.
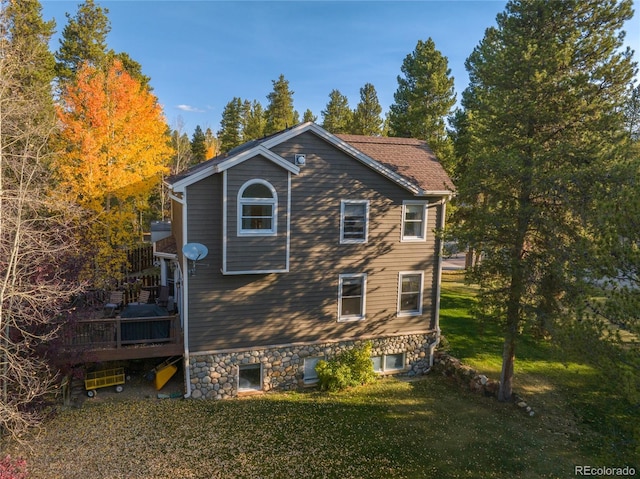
(215,376)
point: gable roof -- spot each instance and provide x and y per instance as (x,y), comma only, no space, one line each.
(221,163)
(408,157)
(409,163)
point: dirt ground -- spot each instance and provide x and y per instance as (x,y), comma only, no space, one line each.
(139,384)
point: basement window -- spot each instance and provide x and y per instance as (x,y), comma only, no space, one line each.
(250,378)
(310,374)
(388,363)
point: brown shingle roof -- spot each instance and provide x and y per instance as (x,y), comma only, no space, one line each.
(408,157)
(167,245)
(405,160)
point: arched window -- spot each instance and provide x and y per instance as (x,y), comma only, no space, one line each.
(257,209)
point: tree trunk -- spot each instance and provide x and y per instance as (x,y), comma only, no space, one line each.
(516,293)
(508,360)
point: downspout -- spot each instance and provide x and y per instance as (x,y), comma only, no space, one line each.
(441,224)
(185,301)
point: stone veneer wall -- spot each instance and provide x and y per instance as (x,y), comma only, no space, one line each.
(215,376)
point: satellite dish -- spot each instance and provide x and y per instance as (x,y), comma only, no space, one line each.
(195,251)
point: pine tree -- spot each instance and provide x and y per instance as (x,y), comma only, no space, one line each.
(632,114)
(424,98)
(131,66)
(616,262)
(198,146)
(309,116)
(253,121)
(280,113)
(84,39)
(31,34)
(366,116)
(543,126)
(338,116)
(230,134)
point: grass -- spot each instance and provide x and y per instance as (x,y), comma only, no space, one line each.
(561,386)
(393,428)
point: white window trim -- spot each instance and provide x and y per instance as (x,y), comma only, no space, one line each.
(363,300)
(312,380)
(383,360)
(420,297)
(273,202)
(344,240)
(423,233)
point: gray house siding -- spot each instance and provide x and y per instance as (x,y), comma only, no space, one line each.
(247,311)
(259,253)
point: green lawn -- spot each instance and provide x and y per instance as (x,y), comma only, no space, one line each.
(558,385)
(394,428)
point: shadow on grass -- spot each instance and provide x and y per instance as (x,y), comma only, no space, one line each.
(389,429)
(569,391)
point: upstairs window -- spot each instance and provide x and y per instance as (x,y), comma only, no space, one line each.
(352,291)
(257,208)
(414,221)
(410,293)
(354,219)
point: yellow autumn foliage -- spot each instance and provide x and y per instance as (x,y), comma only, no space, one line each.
(116,150)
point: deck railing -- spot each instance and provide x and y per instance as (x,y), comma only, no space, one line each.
(124,338)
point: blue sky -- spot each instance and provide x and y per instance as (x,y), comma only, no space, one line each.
(201,54)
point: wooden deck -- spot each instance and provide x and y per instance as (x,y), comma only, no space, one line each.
(113,339)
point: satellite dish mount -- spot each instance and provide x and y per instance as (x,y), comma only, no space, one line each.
(194,252)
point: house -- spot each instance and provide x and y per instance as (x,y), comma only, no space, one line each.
(314,242)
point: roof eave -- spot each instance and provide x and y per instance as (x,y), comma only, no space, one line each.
(179,186)
(448,193)
(349,149)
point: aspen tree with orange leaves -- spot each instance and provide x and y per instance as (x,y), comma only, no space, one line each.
(116,151)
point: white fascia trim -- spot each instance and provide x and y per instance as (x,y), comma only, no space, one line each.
(180,186)
(177,199)
(347,148)
(288,221)
(447,194)
(165,255)
(224,221)
(257,271)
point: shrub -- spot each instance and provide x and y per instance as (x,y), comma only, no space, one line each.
(13,468)
(352,367)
